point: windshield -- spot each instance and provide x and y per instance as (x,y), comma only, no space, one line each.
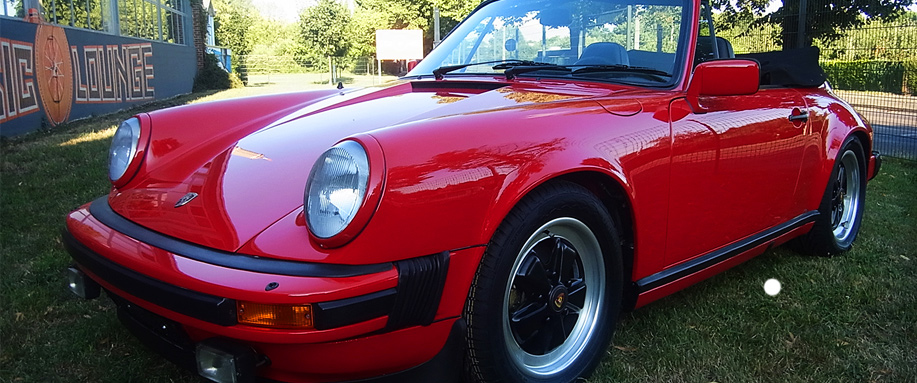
(614,40)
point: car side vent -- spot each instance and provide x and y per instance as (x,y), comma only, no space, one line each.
(420,287)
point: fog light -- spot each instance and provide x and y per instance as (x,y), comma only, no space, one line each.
(81,285)
(225,362)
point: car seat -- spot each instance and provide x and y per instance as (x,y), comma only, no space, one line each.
(603,53)
(704,50)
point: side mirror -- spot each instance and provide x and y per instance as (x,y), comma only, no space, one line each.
(722,78)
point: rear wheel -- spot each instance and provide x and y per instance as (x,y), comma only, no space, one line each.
(841,209)
(545,299)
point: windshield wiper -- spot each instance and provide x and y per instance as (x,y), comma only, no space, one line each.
(513,69)
(620,68)
(438,73)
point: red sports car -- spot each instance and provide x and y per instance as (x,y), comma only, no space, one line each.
(488,216)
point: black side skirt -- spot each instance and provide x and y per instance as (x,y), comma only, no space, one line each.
(713,258)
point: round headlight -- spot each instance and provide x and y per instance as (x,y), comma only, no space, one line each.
(336,188)
(123,148)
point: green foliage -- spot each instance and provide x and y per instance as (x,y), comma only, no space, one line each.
(910,77)
(232,22)
(76,13)
(418,14)
(323,28)
(212,76)
(872,75)
(272,37)
(826,20)
(879,40)
(363,29)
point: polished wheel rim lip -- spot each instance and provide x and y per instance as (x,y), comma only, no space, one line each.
(845,201)
(591,261)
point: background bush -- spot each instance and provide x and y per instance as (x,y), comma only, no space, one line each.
(869,75)
(910,76)
(212,76)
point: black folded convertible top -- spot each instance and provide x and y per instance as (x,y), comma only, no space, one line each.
(794,68)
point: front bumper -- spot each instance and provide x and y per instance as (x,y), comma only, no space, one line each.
(167,339)
(369,320)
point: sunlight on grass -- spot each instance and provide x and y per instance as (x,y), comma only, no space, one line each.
(90,136)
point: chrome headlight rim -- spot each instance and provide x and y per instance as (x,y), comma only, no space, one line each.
(363,146)
(126,150)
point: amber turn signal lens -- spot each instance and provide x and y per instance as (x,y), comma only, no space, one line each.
(276,316)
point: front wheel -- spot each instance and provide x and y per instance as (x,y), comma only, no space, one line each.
(841,209)
(546,295)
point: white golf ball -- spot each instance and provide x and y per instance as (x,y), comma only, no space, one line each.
(772,287)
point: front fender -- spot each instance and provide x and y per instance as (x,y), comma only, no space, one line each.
(836,121)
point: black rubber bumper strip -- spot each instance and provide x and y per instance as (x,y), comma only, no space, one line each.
(103,212)
(878,165)
(206,307)
(215,309)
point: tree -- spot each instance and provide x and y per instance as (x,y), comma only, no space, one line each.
(274,38)
(363,29)
(418,14)
(324,29)
(232,22)
(824,19)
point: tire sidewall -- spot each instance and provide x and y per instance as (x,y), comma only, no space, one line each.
(484,311)
(822,234)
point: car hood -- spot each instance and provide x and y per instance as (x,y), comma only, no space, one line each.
(243,187)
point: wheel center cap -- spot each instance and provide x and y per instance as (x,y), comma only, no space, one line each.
(558,298)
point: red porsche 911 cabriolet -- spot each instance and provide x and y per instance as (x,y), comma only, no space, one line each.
(549,165)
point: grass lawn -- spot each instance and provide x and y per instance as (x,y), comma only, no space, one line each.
(851,318)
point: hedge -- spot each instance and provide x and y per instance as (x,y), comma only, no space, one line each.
(910,76)
(873,75)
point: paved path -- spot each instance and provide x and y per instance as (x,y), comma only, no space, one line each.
(893,119)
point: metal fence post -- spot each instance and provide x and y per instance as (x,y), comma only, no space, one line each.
(801,28)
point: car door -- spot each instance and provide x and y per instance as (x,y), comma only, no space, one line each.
(734,168)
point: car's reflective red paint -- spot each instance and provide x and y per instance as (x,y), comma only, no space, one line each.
(452,157)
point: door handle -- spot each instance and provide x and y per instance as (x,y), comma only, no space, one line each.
(802,116)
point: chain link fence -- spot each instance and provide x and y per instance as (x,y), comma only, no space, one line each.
(258,70)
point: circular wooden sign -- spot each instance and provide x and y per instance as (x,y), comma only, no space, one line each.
(54,72)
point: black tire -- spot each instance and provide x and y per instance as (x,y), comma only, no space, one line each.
(522,289)
(841,208)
